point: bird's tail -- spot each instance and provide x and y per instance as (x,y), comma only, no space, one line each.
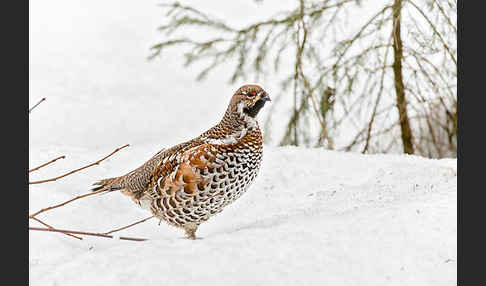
(106,184)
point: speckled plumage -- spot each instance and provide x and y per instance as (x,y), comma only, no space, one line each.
(187,184)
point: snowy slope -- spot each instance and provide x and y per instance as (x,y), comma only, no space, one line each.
(313,217)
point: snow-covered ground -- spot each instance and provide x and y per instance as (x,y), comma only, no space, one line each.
(313,217)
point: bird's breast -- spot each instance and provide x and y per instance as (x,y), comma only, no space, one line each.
(206,178)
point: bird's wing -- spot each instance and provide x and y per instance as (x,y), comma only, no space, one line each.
(184,171)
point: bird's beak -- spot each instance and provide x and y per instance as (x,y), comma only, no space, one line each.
(265,97)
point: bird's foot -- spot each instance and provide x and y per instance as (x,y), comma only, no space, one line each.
(190,230)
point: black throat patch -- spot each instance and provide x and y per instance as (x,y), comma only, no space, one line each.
(253,111)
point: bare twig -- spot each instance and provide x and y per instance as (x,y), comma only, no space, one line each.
(444,14)
(85,233)
(375,107)
(300,71)
(130,225)
(45,164)
(66,202)
(446,47)
(40,101)
(51,227)
(77,170)
(350,42)
(71,232)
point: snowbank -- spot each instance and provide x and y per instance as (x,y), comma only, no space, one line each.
(313,217)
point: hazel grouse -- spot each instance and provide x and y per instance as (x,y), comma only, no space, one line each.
(187,184)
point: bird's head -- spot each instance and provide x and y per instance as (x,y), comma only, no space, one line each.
(248,100)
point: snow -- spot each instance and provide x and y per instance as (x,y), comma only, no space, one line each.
(313,217)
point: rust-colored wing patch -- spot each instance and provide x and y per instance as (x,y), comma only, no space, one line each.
(185,176)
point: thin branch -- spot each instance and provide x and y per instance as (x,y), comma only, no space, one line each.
(51,227)
(130,225)
(40,101)
(66,202)
(82,168)
(350,42)
(85,233)
(45,164)
(300,50)
(445,16)
(378,98)
(446,47)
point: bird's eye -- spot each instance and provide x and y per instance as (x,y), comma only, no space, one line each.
(252,93)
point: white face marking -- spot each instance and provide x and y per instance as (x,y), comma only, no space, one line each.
(240,107)
(252,123)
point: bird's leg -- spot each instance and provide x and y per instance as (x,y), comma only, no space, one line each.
(190,230)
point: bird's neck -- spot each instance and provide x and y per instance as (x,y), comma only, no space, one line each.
(236,120)
(233,126)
